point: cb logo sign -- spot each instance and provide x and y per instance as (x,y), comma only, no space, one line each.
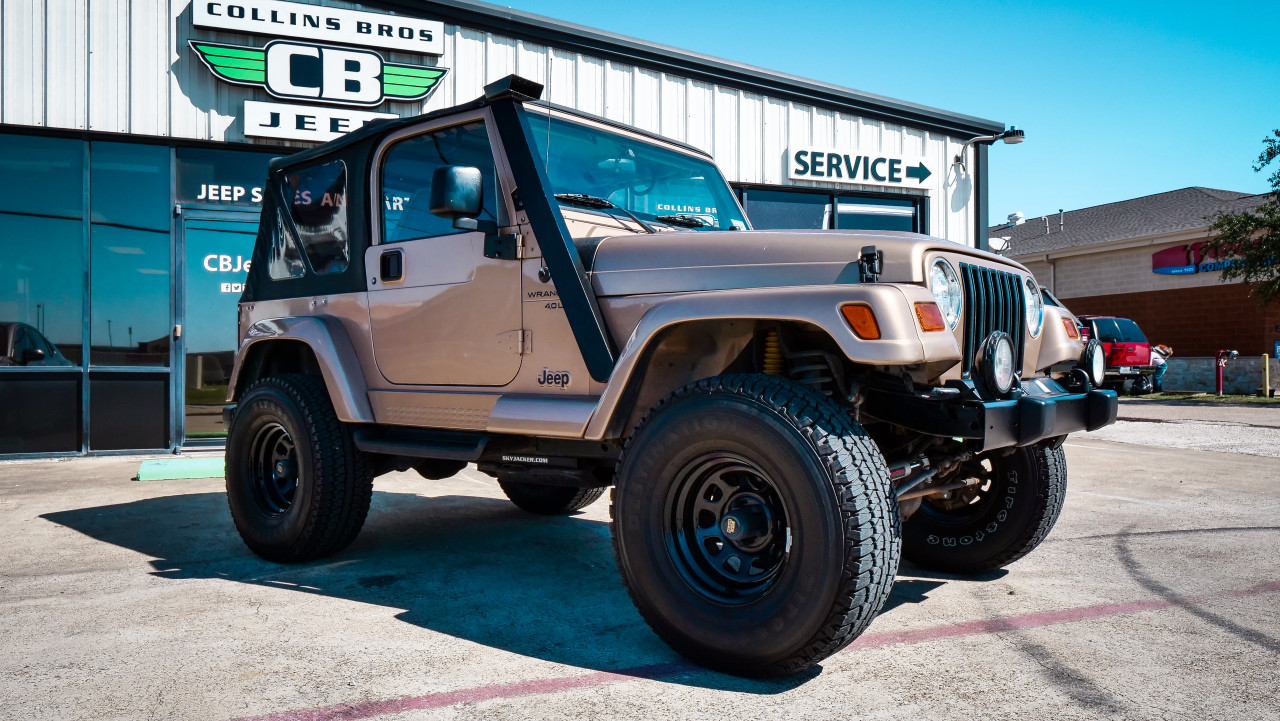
(302,71)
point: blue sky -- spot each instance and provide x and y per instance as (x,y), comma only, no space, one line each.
(1118,100)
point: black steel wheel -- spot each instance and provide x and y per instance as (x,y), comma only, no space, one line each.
(726,528)
(273,469)
(754,524)
(1007,510)
(297,486)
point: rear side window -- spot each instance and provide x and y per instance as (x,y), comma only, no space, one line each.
(406,180)
(318,207)
(1118,330)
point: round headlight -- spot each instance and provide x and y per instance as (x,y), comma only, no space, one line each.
(1035,307)
(945,285)
(997,362)
(1095,361)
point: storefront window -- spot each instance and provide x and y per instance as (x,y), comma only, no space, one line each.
(877,214)
(319,212)
(221,177)
(41,176)
(801,210)
(41,282)
(783,209)
(129,297)
(217,262)
(129,185)
(406,180)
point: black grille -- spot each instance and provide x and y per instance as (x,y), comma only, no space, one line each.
(993,301)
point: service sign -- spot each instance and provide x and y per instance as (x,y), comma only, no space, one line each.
(854,168)
(313,22)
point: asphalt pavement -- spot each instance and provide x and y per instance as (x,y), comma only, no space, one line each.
(1155,597)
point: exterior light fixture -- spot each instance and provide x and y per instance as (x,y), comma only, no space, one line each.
(1012,136)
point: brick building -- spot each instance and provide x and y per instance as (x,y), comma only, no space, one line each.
(1144,259)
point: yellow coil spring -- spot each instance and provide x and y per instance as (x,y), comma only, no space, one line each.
(772,354)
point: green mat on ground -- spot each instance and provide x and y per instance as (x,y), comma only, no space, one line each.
(169,469)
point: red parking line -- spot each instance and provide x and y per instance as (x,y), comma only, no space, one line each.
(371,709)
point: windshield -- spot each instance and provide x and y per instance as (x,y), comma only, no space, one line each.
(658,185)
(1118,330)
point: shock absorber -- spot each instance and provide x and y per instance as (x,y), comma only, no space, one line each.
(772,354)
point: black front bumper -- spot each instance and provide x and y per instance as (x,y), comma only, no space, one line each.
(1041,409)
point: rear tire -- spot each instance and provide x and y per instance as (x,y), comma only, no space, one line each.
(1005,521)
(758,469)
(297,486)
(547,500)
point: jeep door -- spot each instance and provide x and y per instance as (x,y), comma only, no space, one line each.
(440,312)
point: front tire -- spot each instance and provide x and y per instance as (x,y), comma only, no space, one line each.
(297,486)
(753,525)
(995,522)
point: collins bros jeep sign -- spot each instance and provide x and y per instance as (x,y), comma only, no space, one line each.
(312,22)
(317,71)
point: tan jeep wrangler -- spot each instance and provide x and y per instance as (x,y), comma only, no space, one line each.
(572,304)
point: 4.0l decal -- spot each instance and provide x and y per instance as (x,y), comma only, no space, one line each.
(319,72)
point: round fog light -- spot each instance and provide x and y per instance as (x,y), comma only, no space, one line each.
(997,362)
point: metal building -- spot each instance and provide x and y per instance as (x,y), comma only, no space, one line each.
(134,137)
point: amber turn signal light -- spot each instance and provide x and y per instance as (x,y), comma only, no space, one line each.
(862,320)
(930,317)
(1072,331)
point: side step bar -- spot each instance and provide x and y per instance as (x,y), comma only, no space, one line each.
(413,443)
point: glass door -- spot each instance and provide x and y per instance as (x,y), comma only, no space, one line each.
(218,246)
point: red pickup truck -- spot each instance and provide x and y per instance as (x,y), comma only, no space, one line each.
(1127,349)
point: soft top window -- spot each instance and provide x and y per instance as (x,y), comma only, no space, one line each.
(317,200)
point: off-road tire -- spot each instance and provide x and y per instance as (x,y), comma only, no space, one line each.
(843,536)
(549,500)
(1026,499)
(334,479)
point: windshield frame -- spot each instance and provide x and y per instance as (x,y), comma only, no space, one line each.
(539,111)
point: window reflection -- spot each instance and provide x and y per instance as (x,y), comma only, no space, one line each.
(406,180)
(129,297)
(42,176)
(41,281)
(318,207)
(780,209)
(129,185)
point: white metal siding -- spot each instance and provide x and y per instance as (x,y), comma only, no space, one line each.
(123,66)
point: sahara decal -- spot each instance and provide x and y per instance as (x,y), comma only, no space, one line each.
(299,71)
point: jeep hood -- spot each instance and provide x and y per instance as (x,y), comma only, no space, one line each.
(693,261)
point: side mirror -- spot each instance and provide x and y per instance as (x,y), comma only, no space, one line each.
(32,355)
(457,192)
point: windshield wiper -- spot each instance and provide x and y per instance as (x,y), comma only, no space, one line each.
(591,201)
(687,221)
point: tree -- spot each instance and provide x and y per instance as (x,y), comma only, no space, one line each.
(1251,238)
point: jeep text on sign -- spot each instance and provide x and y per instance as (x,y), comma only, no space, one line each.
(302,122)
(826,164)
(313,22)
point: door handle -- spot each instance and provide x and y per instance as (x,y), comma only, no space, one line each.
(391,265)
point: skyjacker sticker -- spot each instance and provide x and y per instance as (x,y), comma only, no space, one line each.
(319,72)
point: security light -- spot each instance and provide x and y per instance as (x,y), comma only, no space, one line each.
(1012,136)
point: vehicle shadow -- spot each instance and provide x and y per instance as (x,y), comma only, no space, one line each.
(474,568)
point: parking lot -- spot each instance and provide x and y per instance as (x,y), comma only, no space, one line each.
(1154,597)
